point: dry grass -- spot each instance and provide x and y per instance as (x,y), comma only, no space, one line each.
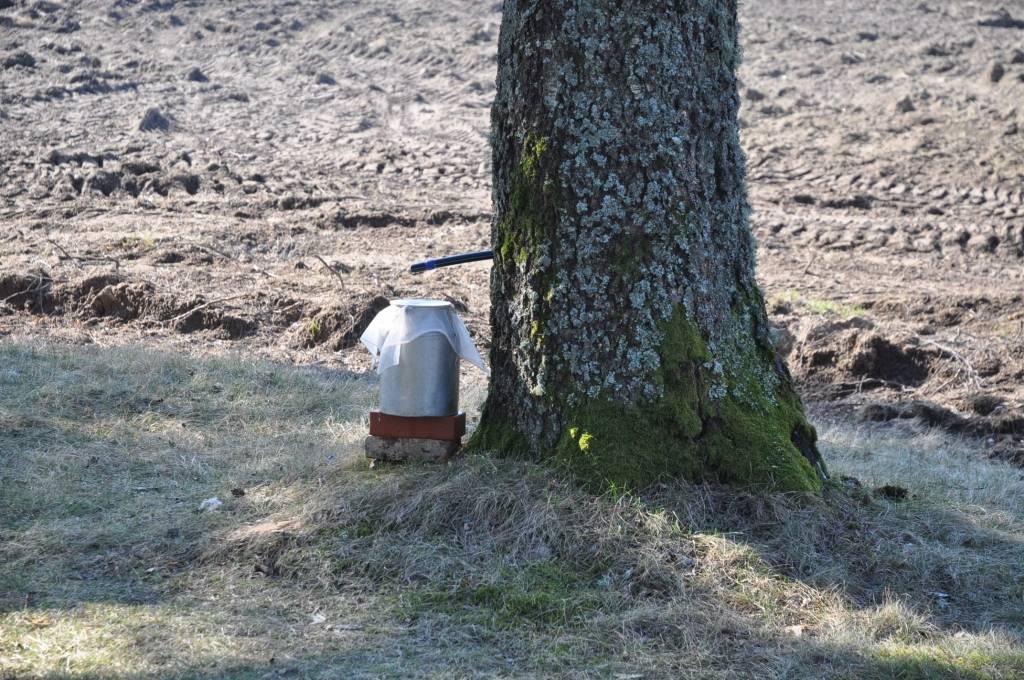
(483,568)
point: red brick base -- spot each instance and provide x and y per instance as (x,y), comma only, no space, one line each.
(445,428)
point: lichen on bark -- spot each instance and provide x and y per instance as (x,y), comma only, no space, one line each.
(630,340)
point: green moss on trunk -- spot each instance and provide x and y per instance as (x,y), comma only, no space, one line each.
(531,214)
(496,436)
(756,441)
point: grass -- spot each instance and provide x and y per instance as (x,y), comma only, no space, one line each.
(821,306)
(481,568)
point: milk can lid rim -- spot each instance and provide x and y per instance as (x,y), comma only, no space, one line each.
(430,304)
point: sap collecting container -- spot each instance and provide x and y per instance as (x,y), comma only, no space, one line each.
(418,344)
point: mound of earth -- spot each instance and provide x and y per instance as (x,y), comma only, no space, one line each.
(30,292)
(338,327)
(927,412)
(853,350)
(111,296)
(125,301)
(128,301)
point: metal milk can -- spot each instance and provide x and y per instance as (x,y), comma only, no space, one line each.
(425,381)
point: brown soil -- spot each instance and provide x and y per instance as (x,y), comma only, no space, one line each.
(258,177)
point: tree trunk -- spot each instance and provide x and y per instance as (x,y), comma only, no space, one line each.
(630,339)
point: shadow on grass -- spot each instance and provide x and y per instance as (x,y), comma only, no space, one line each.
(106,455)
(942,563)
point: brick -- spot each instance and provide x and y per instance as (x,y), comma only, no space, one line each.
(449,428)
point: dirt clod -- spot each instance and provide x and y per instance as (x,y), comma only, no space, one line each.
(1001,18)
(103,181)
(849,350)
(905,105)
(23,59)
(89,286)
(154,121)
(125,301)
(892,492)
(231,327)
(187,181)
(168,257)
(875,356)
(996,71)
(140,167)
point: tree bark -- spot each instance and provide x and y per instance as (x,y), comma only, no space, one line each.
(630,340)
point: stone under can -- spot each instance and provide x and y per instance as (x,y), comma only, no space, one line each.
(425,381)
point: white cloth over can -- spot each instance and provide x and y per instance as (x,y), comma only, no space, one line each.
(405,320)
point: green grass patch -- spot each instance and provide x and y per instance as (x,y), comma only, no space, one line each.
(925,663)
(534,595)
(793,298)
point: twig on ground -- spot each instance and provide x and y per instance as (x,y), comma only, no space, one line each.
(288,308)
(864,382)
(331,270)
(28,291)
(211,250)
(67,255)
(85,258)
(964,366)
(214,251)
(204,306)
(807,267)
(258,270)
